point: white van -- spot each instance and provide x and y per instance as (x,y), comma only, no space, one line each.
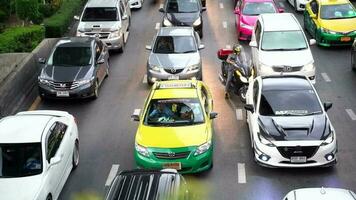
(279,46)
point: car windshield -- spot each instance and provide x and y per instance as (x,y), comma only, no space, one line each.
(182,6)
(71,56)
(283,41)
(174,112)
(100,14)
(340,11)
(175,44)
(289,103)
(18,160)
(256,8)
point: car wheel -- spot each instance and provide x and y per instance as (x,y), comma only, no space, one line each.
(49,197)
(121,49)
(75,158)
(295,6)
(201,33)
(200,76)
(96,90)
(149,82)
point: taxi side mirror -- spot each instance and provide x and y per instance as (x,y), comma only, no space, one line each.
(249,107)
(213,115)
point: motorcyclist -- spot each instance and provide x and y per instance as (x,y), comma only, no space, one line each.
(233,59)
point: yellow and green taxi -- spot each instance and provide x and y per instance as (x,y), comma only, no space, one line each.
(176,127)
(331,22)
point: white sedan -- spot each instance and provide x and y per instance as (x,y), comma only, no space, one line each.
(320,194)
(38,151)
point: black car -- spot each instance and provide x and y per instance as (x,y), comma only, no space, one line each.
(75,69)
(166,184)
(183,13)
(353,56)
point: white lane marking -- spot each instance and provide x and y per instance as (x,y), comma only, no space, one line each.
(351,114)
(239,114)
(241,173)
(228,46)
(325,77)
(157,25)
(112,174)
(221,5)
(224,24)
(144,81)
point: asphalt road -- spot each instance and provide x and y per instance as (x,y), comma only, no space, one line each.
(107,133)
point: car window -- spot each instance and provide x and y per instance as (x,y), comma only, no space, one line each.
(55,138)
(255,93)
(68,56)
(289,103)
(283,41)
(182,6)
(256,8)
(100,14)
(174,112)
(340,11)
(175,44)
(258,32)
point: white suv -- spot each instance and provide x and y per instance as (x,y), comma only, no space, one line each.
(109,20)
(279,46)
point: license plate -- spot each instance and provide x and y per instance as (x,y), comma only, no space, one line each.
(345,39)
(175,165)
(62,94)
(173,77)
(298,159)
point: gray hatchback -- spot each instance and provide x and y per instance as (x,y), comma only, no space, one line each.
(174,55)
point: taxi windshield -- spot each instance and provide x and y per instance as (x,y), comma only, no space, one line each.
(174,112)
(340,11)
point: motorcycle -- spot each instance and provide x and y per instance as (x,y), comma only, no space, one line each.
(242,74)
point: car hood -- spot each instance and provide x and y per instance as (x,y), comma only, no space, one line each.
(184,19)
(172,137)
(289,58)
(293,128)
(24,188)
(177,61)
(100,26)
(249,20)
(339,25)
(66,74)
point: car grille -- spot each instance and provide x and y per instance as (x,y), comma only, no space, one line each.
(100,35)
(63,85)
(173,71)
(179,155)
(307,151)
(287,68)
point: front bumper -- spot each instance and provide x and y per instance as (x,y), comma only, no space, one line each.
(163,75)
(84,91)
(327,39)
(190,164)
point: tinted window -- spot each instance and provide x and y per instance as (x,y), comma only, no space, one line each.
(185,6)
(57,132)
(256,8)
(100,14)
(17,160)
(283,41)
(175,44)
(174,112)
(340,11)
(289,102)
(71,56)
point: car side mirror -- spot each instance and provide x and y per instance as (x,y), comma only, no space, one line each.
(76,17)
(55,160)
(280,10)
(136,115)
(201,46)
(253,44)
(312,42)
(100,61)
(42,60)
(237,11)
(249,107)
(124,17)
(327,105)
(203,9)
(148,47)
(161,9)
(213,115)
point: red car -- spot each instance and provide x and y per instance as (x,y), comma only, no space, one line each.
(247,11)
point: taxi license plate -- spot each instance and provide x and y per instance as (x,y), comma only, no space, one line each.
(345,39)
(62,94)
(175,165)
(173,77)
(298,159)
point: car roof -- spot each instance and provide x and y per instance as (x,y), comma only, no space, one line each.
(273,83)
(102,3)
(323,193)
(279,22)
(175,89)
(146,184)
(333,2)
(23,128)
(75,42)
(175,31)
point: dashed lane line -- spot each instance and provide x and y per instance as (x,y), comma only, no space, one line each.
(35,104)
(224,24)
(157,25)
(144,81)
(239,114)
(241,176)
(351,114)
(325,77)
(113,171)
(221,5)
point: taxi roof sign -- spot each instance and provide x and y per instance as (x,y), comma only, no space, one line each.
(175,85)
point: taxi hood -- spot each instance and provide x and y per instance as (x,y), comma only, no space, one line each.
(339,25)
(172,137)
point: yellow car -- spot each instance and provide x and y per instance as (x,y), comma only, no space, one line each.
(176,127)
(331,22)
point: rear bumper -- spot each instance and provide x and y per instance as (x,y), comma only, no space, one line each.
(160,76)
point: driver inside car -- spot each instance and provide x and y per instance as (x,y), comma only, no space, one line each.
(161,110)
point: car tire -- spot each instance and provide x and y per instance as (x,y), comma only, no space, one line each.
(75,157)
(295,6)
(49,197)
(96,90)
(107,73)
(149,82)
(200,76)
(201,33)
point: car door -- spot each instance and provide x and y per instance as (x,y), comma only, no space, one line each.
(256,36)
(312,8)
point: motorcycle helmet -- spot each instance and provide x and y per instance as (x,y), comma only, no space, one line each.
(237,48)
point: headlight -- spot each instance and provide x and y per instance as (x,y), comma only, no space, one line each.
(114,34)
(43,81)
(327,31)
(308,67)
(203,148)
(329,139)
(193,67)
(166,22)
(80,33)
(156,68)
(197,22)
(246,26)
(264,140)
(141,150)
(85,81)
(265,69)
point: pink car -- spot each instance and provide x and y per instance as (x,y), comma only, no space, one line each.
(247,11)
